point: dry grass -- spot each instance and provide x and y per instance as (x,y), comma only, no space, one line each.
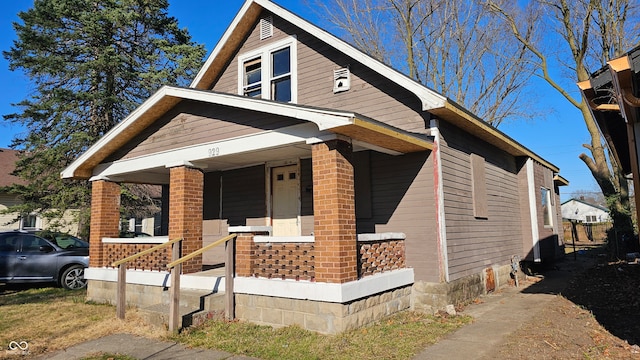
(51,319)
(397,337)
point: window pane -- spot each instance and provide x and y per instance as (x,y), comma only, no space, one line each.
(252,72)
(546,209)
(253,78)
(31,243)
(281,62)
(281,89)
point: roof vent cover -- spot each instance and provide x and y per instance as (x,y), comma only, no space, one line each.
(341,80)
(266,27)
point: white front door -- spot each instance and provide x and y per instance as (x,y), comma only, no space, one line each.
(285,201)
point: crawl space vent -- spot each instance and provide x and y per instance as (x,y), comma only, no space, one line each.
(266,27)
(341,80)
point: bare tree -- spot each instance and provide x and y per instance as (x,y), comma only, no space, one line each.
(450,46)
(588,33)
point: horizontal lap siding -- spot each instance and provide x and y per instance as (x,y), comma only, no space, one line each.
(306,197)
(192,123)
(243,195)
(474,244)
(402,186)
(543,177)
(7,220)
(371,95)
(403,201)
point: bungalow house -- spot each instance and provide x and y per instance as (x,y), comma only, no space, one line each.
(582,211)
(355,191)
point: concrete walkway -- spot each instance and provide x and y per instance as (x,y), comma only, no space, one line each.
(501,313)
(139,348)
(495,317)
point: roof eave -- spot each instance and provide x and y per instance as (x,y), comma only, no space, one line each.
(340,122)
(462,118)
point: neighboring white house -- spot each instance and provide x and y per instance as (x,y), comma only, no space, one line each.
(580,210)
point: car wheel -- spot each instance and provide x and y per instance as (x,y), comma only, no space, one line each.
(73,278)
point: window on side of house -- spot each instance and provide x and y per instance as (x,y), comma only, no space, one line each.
(281,75)
(479,187)
(270,72)
(30,222)
(545,198)
(252,84)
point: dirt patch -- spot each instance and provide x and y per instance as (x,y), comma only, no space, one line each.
(597,316)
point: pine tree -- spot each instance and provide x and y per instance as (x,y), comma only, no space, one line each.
(91,62)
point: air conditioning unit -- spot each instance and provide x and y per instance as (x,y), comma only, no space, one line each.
(341,80)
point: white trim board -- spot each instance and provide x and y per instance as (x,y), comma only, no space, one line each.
(296,134)
(533,209)
(292,289)
(157,278)
(318,291)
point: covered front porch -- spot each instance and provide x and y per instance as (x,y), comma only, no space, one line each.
(287,191)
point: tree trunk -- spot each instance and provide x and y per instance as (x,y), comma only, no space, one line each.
(614,186)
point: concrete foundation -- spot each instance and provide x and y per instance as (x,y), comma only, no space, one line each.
(137,295)
(323,317)
(431,297)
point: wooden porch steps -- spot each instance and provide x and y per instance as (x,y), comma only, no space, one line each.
(196,306)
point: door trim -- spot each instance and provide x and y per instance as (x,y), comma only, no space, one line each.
(269,189)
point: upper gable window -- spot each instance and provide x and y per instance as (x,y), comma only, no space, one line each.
(269,72)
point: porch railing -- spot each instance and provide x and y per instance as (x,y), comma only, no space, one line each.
(176,269)
(121,288)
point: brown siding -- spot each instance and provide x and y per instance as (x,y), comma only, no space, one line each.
(403,201)
(192,123)
(306,197)
(549,245)
(476,243)
(523,189)
(211,203)
(371,95)
(243,195)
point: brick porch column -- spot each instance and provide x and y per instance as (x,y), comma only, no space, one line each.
(185,212)
(105,218)
(244,254)
(334,212)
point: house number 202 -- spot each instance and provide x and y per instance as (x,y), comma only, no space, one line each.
(214,151)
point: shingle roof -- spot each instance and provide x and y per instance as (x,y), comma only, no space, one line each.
(8,158)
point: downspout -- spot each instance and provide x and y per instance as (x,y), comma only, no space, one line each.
(533,210)
(439,201)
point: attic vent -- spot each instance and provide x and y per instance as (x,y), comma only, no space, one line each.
(266,27)
(341,80)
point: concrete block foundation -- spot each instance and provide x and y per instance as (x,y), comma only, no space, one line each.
(431,297)
(323,317)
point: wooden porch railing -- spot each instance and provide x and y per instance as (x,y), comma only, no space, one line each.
(176,269)
(121,289)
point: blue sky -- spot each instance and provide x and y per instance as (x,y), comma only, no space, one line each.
(557,135)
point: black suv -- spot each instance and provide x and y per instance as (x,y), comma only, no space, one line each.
(43,256)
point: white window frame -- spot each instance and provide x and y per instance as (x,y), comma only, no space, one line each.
(550,211)
(264,54)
